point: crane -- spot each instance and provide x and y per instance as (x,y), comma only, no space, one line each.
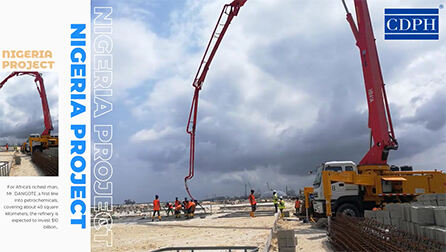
(349,188)
(228,12)
(380,121)
(45,138)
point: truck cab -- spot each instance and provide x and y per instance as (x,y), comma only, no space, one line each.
(345,197)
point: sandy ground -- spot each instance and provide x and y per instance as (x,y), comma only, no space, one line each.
(240,231)
(26,168)
(308,238)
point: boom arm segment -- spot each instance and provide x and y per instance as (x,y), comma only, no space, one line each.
(41,89)
(380,122)
(229,12)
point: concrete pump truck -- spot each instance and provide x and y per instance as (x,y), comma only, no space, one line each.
(347,188)
(44,140)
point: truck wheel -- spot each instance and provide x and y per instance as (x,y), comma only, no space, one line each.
(348,209)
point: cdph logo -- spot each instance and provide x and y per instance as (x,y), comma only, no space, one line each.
(411,24)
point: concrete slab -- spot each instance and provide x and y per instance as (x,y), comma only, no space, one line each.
(282,242)
(410,227)
(285,234)
(431,232)
(406,212)
(370,214)
(440,196)
(382,214)
(440,216)
(395,210)
(285,249)
(396,222)
(441,202)
(423,215)
(440,235)
(402,225)
(420,230)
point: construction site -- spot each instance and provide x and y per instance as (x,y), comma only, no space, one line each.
(37,155)
(364,205)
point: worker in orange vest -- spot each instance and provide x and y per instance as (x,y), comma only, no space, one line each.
(191,208)
(169,208)
(177,208)
(156,208)
(186,207)
(253,202)
(297,206)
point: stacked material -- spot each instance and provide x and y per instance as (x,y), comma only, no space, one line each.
(287,240)
(426,217)
(47,161)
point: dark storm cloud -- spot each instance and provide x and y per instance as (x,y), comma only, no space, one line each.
(273,110)
(21,111)
(431,114)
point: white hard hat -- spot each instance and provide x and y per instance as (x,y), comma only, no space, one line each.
(274,191)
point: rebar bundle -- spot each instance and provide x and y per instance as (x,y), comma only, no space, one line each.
(364,234)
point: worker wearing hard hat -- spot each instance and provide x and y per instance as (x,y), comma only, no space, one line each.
(275,201)
(281,206)
(177,208)
(156,208)
(253,202)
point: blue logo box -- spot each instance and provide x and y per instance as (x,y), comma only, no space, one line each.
(410,24)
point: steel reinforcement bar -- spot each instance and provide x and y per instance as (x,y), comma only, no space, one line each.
(362,234)
(210,248)
(47,164)
(4,168)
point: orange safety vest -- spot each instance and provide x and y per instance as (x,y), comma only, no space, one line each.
(156,205)
(297,204)
(177,205)
(252,199)
(191,204)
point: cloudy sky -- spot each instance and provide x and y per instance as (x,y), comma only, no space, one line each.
(284,93)
(21,107)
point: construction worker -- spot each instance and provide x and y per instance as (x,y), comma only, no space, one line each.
(281,206)
(275,201)
(178,207)
(252,201)
(156,208)
(186,208)
(297,206)
(169,208)
(191,208)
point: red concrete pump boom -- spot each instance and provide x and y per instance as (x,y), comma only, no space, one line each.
(41,89)
(229,12)
(380,122)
